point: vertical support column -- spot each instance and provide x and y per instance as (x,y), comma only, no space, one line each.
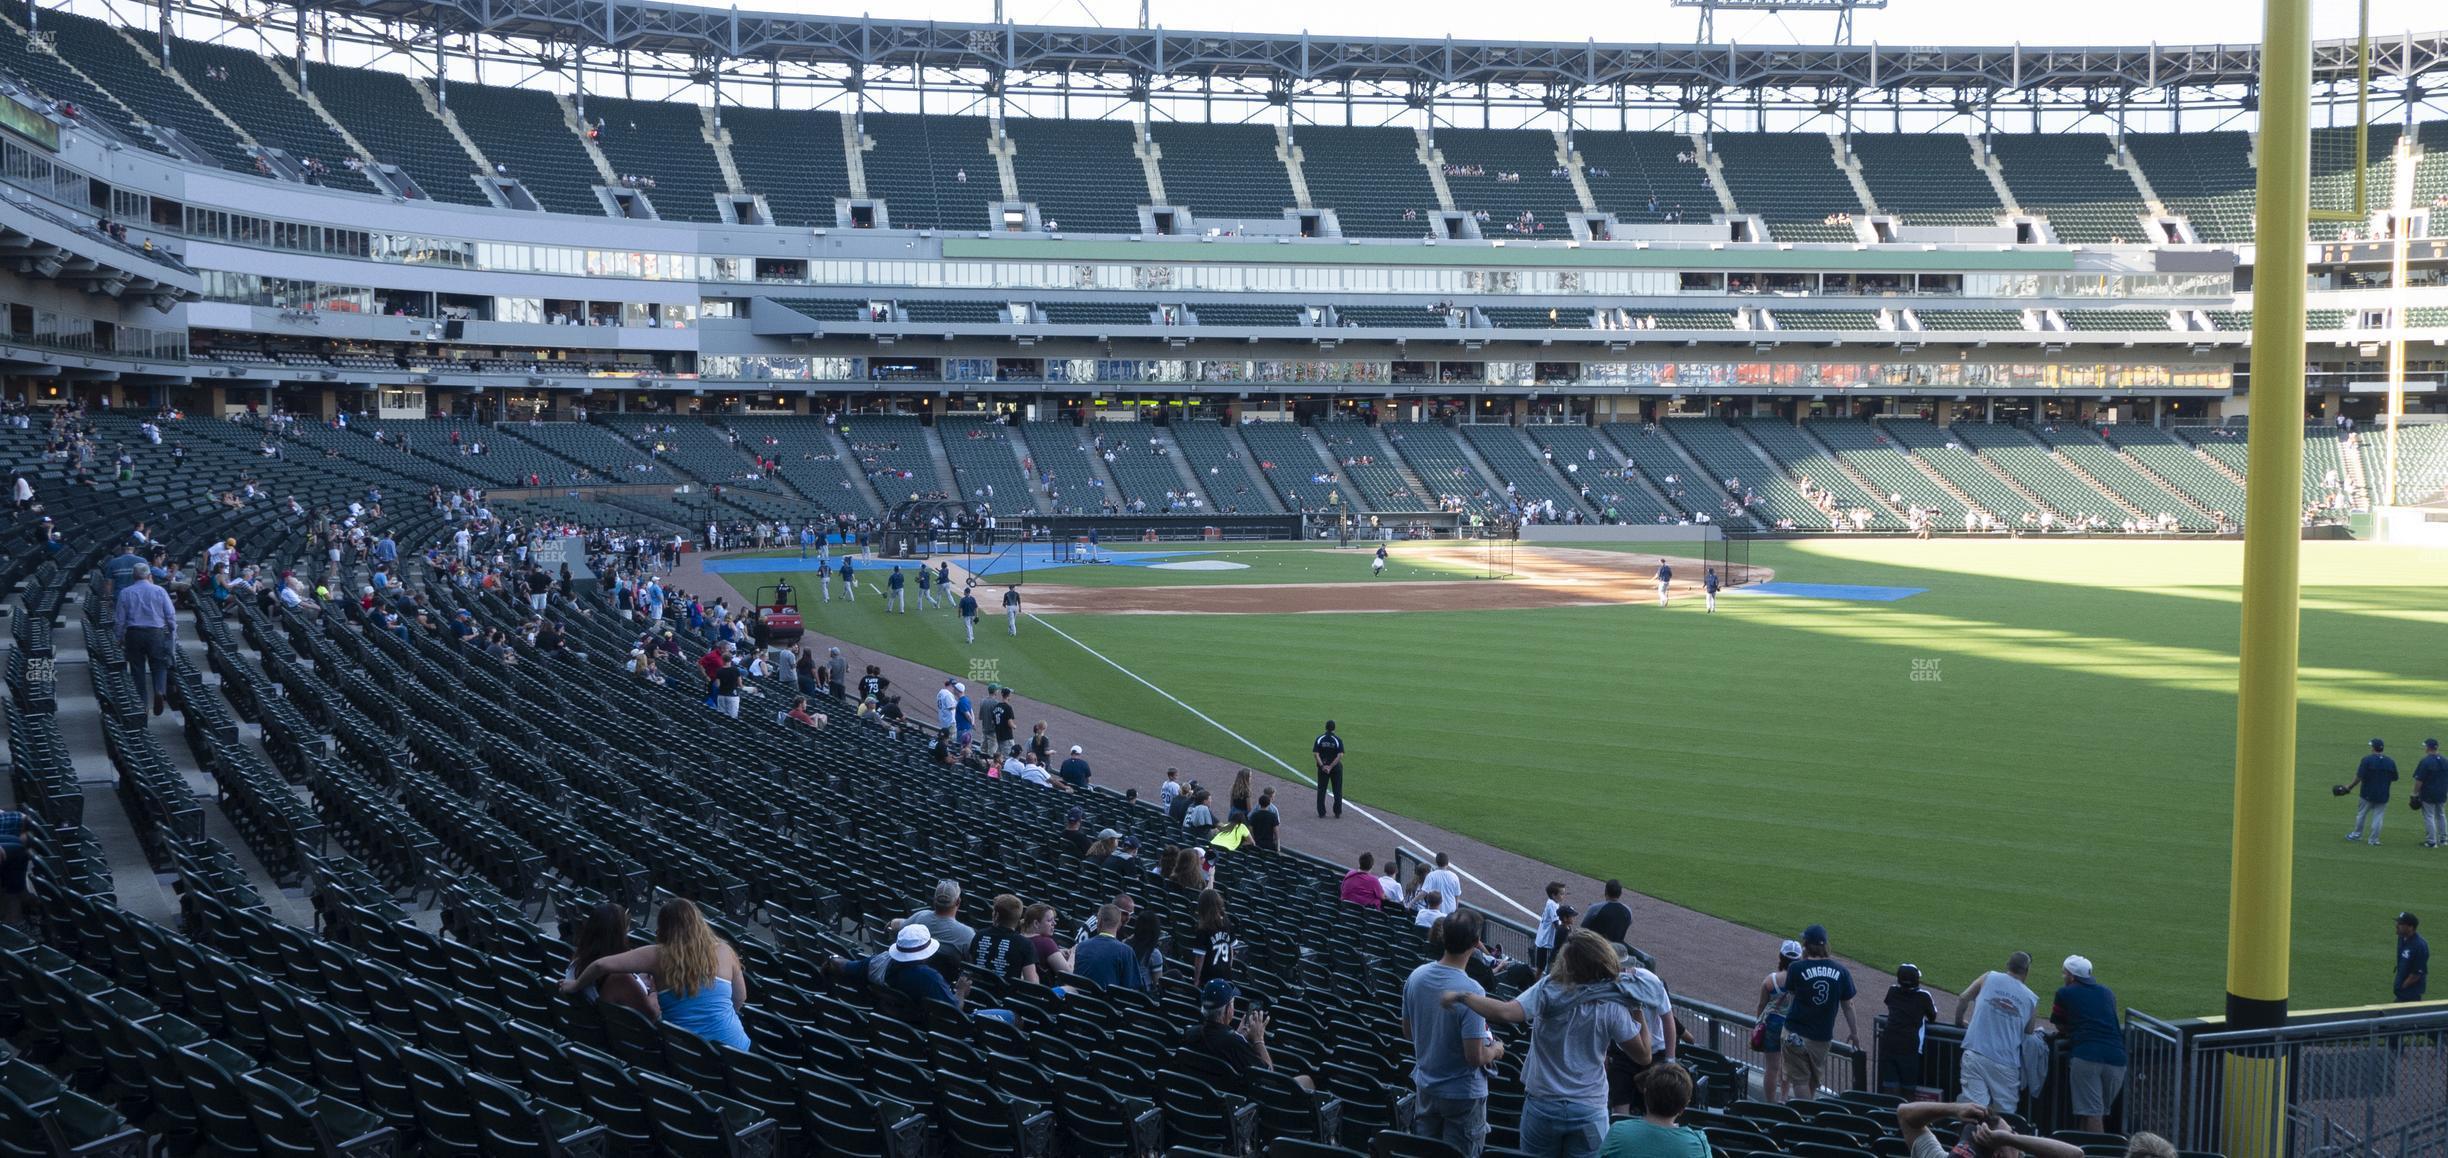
(2260,903)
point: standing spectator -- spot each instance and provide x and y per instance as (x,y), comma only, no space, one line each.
(1817,987)
(1451,1048)
(1264,823)
(1910,1012)
(1328,752)
(1996,1010)
(1238,797)
(1002,720)
(2374,775)
(1610,918)
(2085,1013)
(1575,1013)
(1211,955)
(1103,959)
(1771,1009)
(1000,949)
(1360,885)
(727,688)
(2431,794)
(147,625)
(1075,771)
(1666,1091)
(1446,884)
(1543,942)
(2413,960)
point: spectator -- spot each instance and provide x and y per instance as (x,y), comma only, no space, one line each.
(1360,885)
(1610,918)
(1451,1047)
(605,933)
(1447,884)
(910,968)
(1543,942)
(2144,1144)
(1389,885)
(1239,797)
(1910,1012)
(1666,1091)
(1233,833)
(1000,950)
(1265,822)
(1575,1013)
(2000,1009)
(1037,923)
(698,979)
(1075,832)
(1102,958)
(1817,987)
(942,922)
(2085,1012)
(801,714)
(1147,945)
(14,860)
(1988,1138)
(1212,953)
(1074,770)
(147,626)
(1237,1044)
(1199,820)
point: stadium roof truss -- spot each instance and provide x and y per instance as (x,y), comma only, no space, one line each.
(741,52)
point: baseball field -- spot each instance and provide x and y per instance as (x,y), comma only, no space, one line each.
(1941,750)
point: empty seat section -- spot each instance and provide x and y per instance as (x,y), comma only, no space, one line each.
(1537,318)
(1224,473)
(1068,478)
(1436,457)
(932,172)
(1877,458)
(2206,177)
(689,445)
(2333,177)
(986,463)
(2324,470)
(663,141)
(1369,465)
(1953,461)
(1284,456)
(963,313)
(1370,177)
(1391,317)
(1247,315)
(594,448)
(2172,459)
(1585,459)
(827,309)
(383,111)
(1521,467)
(2102,462)
(1141,459)
(494,455)
(1082,174)
(1682,319)
(1222,172)
(1728,457)
(1926,178)
(1626,171)
(808,459)
(2431,172)
(2114,320)
(1097,314)
(1827,319)
(522,131)
(249,90)
(98,51)
(792,156)
(891,450)
(1969,319)
(56,79)
(1809,464)
(1791,181)
(2067,179)
(2422,462)
(1511,175)
(2023,458)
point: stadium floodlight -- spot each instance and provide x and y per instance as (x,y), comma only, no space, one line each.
(1842,10)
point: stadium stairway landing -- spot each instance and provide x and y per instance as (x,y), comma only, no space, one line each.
(849,462)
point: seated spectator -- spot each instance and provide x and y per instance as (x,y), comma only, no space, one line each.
(1990,1136)
(1360,885)
(800,713)
(1102,958)
(1037,924)
(1199,820)
(1233,833)
(1235,1042)
(606,933)
(698,979)
(942,922)
(1666,1091)
(1000,949)
(910,971)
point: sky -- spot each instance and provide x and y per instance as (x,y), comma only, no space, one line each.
(1903,22)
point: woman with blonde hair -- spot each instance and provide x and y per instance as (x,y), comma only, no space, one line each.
(1576,1013)
(698,979)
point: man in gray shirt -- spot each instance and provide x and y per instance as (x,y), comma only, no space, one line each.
(943,921)
(1451,1047)
(147,624)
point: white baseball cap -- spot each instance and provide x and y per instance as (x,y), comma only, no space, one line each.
(1075,749)
(2079,966)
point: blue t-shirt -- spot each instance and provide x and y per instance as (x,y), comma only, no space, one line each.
(2431,779)
(920,982)
(1818,985)
(969,606)
(1636,1138)
(2088,1011)
(1107,962)
(1438,1031)
(960,713)
(2378,772)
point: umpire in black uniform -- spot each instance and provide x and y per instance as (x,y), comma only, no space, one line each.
(1329,753)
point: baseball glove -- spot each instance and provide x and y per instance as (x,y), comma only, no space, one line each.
(2337,790)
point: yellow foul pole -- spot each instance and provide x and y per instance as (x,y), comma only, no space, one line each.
(2259,904)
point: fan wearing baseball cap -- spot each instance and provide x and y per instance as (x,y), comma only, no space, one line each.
(1234,1043)
(1910,1012)
(2413,959)
(2085,1014)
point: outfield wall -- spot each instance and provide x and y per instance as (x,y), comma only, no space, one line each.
(1592,533)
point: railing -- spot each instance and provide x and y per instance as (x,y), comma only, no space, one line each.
(2359,1087)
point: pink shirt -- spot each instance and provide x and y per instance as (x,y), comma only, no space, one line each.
(1360,888)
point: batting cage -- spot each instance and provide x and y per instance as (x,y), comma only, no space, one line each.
(1730,553)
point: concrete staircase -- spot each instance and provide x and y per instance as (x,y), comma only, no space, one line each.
(719,139)
(854,155)
(2075,468)
(577,127)
(1290,155)
(1264,489)
(1996,173)
(1715,169)
(1850,166)
(1571,160)
(176,78)
(1949,489)
(1434,160)
(2141,468)
(850,464)
(1857,478)
(450,121)
(329,121)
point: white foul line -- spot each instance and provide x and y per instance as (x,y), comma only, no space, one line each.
(1289,770)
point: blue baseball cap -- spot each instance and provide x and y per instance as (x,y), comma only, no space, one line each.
(1815,935)
(1217,994)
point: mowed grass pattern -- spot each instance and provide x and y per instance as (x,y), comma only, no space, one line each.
(2036,754)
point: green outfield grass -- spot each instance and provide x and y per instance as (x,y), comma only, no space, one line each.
(2036,754)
